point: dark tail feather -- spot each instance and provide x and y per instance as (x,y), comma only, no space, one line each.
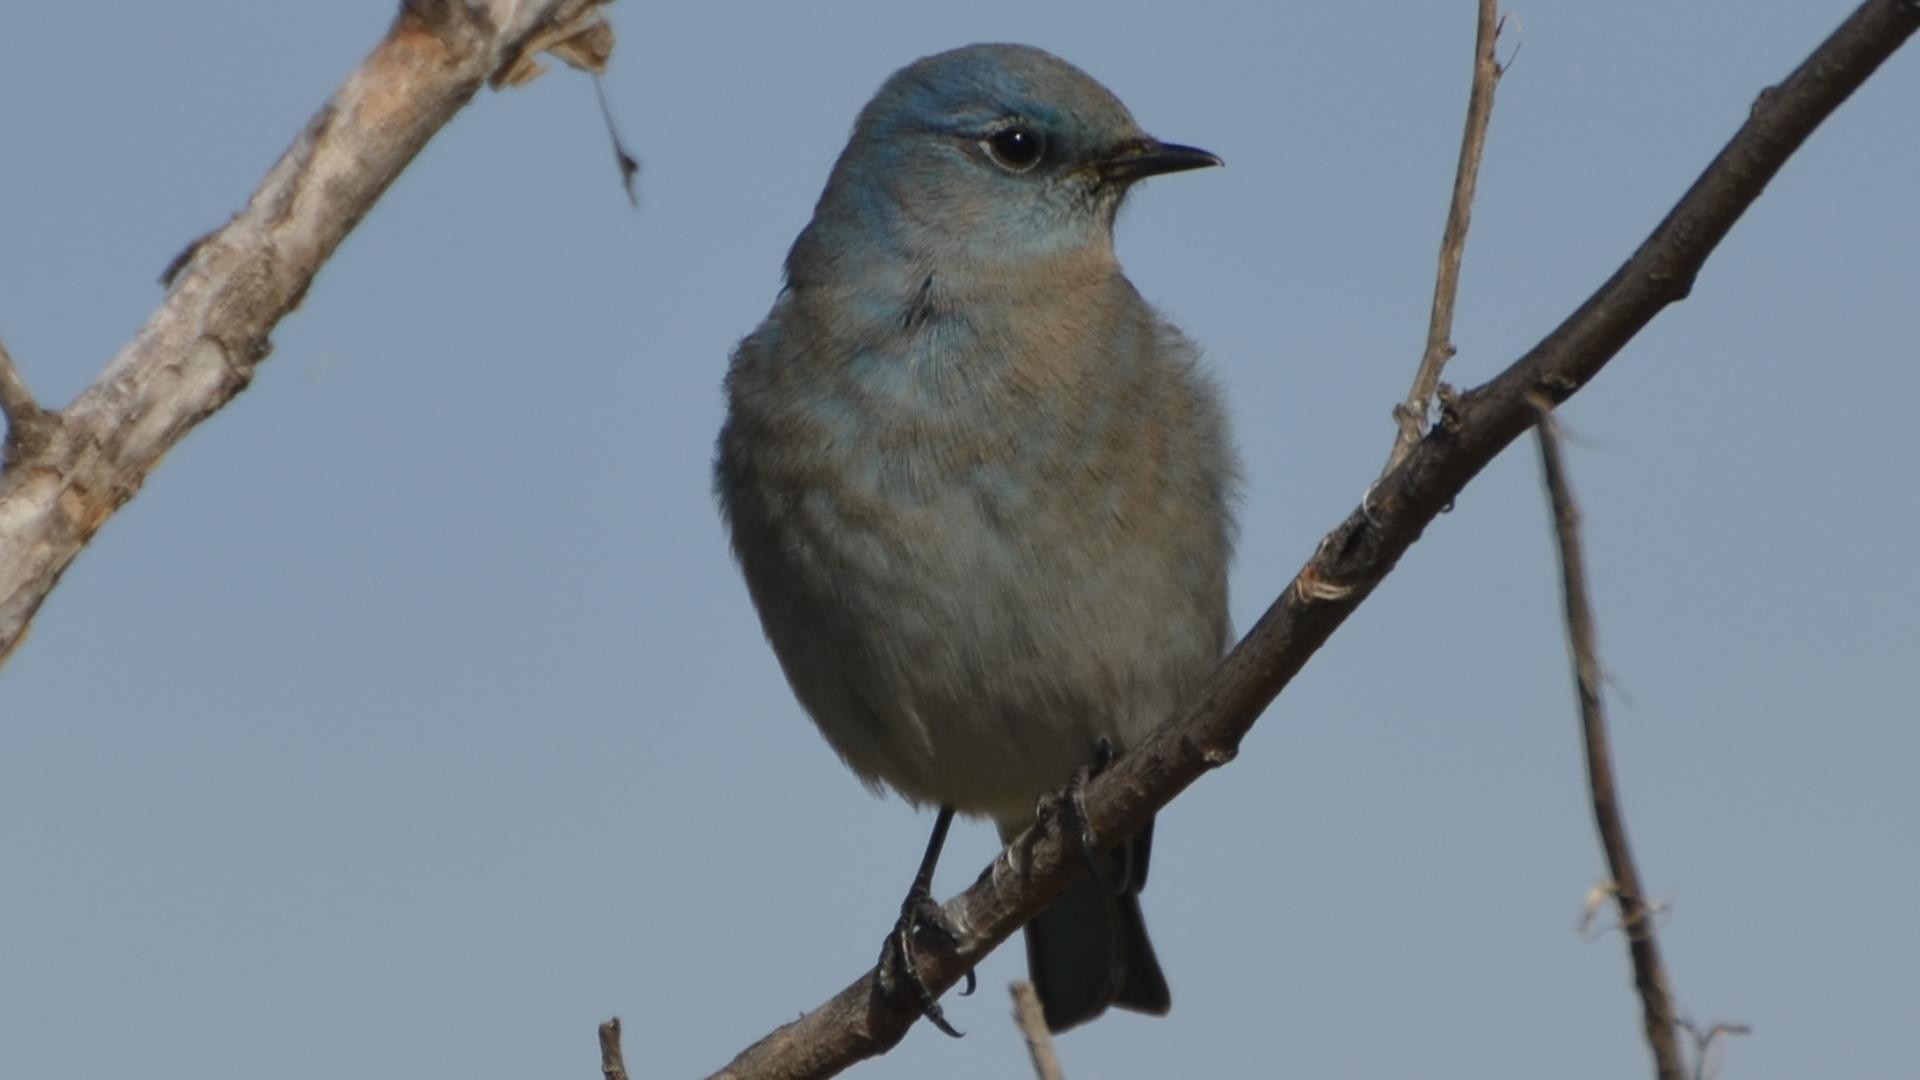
(1090,949)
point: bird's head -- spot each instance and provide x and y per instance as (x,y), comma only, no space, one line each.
(982,156)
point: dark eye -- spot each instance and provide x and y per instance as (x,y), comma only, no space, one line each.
(1015,149)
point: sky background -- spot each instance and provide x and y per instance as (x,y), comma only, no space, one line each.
(413,719)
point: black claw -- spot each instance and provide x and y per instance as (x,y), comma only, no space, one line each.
(1077,804)
(921,921)
(1069,808)
(925,922)
(1102,755)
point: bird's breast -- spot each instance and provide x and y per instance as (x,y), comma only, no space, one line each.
(974,522)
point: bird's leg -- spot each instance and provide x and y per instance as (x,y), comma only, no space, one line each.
(1068,806)
(921,919)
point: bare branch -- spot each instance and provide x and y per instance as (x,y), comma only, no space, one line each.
(1706,1041)
(1032,1020)
(1352,560)
(1411,416)
(613,1064)
(623,158)
(229,290)
(15,399)
(1636,918)
(26,420)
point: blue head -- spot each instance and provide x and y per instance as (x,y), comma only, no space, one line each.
(975,159)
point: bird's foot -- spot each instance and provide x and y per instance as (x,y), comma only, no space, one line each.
(922,922)
(1068,808)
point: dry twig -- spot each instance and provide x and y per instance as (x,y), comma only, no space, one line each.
(1411,415)
(15,400)
(1032,1020)
(1706,1040)
(1636,917)
(613,1064)
(26,421)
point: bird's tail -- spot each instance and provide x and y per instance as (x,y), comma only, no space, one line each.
(1090,949)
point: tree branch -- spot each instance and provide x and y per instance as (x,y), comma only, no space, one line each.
(1411,416)
(613,1063)
(15,399)
(1706,1040)
(1353,559)
(1032,1020)
(1636,917)
(229,290)
(26,420)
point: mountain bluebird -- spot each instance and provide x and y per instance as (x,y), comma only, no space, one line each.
(980,492)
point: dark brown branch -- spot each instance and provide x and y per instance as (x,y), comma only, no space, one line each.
(857,1023)
(1636,916)
(1032,1020)
(613,1064)
(1411,416)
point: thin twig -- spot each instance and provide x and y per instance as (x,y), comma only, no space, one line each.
(1033,1025)
(613,1064)
(1636,918)
(1352,560)
(23,414)
(1704,1042)
(623,158)
(1411,416)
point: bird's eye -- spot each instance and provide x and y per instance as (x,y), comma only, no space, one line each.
(1015,149)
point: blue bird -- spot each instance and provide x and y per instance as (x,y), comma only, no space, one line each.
(980,491)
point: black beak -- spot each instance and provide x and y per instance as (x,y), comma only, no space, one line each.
(1139,160)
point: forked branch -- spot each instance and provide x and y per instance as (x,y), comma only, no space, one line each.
(1411,415)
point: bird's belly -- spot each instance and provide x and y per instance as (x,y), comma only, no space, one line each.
(969,652)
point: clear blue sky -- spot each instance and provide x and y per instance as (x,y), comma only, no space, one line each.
(412,719)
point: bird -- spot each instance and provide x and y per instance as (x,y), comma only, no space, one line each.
(980,491)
